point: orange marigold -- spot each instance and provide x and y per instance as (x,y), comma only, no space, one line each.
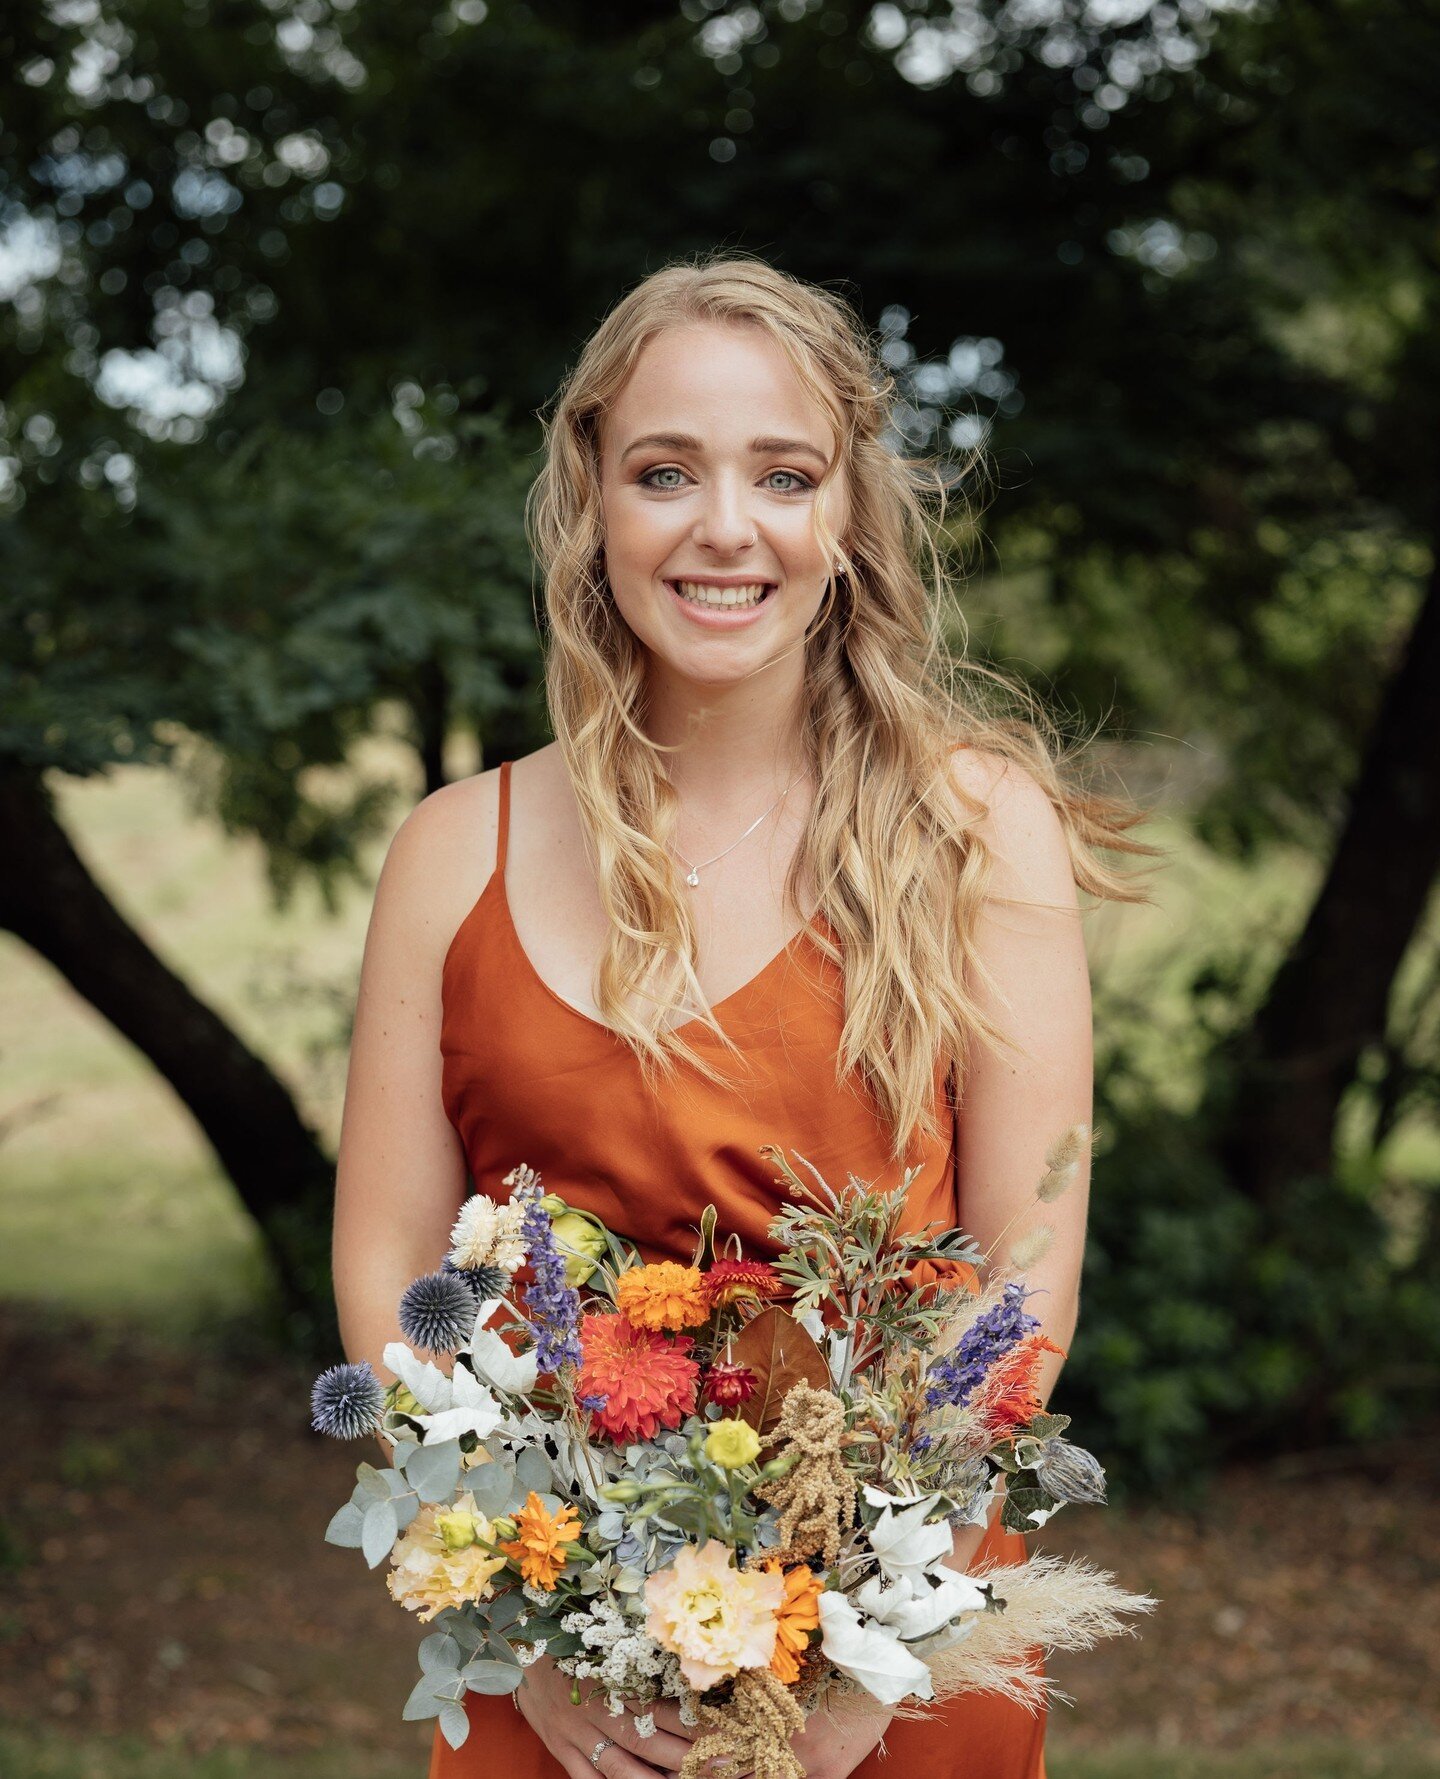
(1009,1398)
(540,1537)
(665,1295)
(797,1615)
(642,1381)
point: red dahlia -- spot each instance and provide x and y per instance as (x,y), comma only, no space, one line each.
(648,1380)
(727,1385)
(730,1281)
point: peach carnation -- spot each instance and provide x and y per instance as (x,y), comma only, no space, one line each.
(644,1382)
(665,1295)
(718,1619)
(432,1572)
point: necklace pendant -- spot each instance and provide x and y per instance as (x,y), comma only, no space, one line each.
(693,878)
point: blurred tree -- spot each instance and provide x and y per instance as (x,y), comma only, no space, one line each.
(300,280)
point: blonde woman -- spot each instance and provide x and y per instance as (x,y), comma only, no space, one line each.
(777,870)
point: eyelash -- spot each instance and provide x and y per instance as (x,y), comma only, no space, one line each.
(805,484)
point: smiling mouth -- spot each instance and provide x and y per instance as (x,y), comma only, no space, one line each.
(722,598)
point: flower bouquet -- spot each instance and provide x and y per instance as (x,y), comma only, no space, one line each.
(733,1484)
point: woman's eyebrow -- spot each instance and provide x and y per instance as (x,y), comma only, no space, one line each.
(763,447)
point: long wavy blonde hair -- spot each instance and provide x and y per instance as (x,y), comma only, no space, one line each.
(890,839)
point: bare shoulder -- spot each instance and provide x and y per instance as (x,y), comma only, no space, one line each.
(1012,813)
(438,862)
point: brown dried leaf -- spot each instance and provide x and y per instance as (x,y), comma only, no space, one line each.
(781,1354)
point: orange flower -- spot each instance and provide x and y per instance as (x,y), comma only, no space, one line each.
(796,1616)
(665,1295)
(539,1537)
(643,1382)
(731,1281)
(1009,1398)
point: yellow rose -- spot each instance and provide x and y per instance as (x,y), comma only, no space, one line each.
(731,1444)
(457,1530)
(581,1240)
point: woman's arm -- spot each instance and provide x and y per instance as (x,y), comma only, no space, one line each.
(401,1171)
(1014,1107)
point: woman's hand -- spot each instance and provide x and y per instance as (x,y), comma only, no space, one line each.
(837,1738)
(573,1732)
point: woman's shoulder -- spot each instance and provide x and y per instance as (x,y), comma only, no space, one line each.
(1015,817)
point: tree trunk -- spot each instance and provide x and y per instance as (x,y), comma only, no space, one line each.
(1328,1001)
(49,899)
(432,719)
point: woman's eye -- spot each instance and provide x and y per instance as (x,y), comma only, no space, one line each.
(798,483)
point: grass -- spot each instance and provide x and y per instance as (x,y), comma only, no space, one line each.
(26,1756)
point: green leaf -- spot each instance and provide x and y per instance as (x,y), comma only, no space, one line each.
(369,1480)
(492,1485)
(422,1701)
(438,1652)
(492,1677)
(532,1471)
(454,1724)
(380,1530)
(434,1470)
(344,1529)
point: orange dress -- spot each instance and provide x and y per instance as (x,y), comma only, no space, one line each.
(529,1078)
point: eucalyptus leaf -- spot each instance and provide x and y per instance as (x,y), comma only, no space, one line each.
(492,1677)
(504,1610)
(406,1507)
(434,1470)
(345,1528)
(369,1479)
(492,1485)
(454,1724)
(380,1530)
(422,1701)
(501,1650)
(532,1471)
(439,1650)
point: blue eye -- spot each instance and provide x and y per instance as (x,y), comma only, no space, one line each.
(801,485)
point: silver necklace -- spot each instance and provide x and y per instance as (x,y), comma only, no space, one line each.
(692,876)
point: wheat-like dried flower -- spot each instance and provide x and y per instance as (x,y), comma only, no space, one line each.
(1062,1163)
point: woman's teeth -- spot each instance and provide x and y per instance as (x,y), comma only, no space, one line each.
(700,594)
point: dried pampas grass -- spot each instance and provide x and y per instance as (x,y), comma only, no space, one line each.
(1050,1602)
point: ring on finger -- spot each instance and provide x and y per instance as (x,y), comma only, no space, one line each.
(599,1749)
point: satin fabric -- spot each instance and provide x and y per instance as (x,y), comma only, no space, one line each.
(529,1078)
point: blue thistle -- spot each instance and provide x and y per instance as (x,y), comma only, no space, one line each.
(956,1376)
(485,1281)
(554,1305)
(437,1312)
(347,1400)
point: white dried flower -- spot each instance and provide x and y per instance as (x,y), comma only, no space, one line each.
(645,1726)
(488,1234)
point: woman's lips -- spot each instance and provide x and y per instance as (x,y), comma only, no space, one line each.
(720,617)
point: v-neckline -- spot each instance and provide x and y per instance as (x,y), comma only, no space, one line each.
(599,1025)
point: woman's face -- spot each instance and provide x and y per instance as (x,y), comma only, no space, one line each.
(710,458)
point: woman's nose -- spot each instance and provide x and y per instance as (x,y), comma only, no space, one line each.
(725,525)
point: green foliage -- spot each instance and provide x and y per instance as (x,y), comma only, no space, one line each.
(1212,1329)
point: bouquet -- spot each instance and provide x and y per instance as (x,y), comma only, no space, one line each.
(731,1484)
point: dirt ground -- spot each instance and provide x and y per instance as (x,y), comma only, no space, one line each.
(162,1575)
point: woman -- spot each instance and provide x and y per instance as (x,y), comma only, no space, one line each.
(774,872)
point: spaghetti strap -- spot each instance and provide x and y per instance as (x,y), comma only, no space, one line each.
(501,843)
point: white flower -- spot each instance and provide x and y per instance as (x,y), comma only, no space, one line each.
(507,1371)
(905,1546)
(429,1385)
(870,1654)
(915,1609)
(473,1410)
(488,1234)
